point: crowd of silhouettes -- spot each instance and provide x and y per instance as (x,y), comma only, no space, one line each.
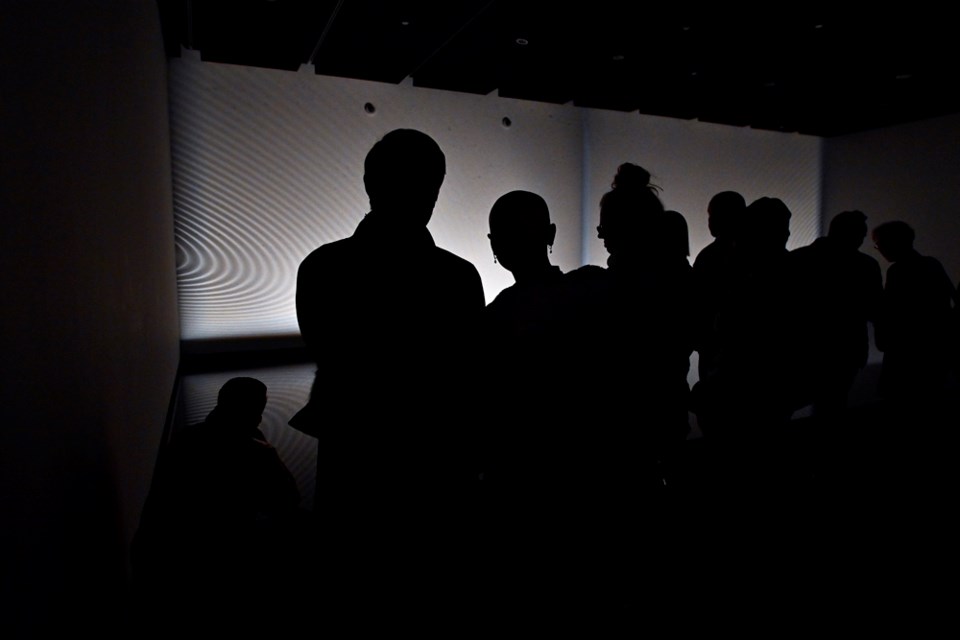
(458,463)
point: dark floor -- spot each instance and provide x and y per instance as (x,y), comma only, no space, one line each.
(841,526)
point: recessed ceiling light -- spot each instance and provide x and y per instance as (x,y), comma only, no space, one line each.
(618,57)
(522,42)
(904,76)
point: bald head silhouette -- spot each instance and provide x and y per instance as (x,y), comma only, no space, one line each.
(521,231)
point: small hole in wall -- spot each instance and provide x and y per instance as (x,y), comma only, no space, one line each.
(506,122)
(369,108)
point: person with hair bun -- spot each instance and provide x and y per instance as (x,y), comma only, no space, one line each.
(648,283)
(626,210)
(636,314)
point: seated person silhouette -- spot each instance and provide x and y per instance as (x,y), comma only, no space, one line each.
(391,320)
(222,504)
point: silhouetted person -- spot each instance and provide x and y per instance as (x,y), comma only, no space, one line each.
(222,516)
(724,217)
(635,322)
(913,329)
(913,446)
(523,329)
(391,320)
(841,288)
(637,316)
(528,447)
(745,403)
(712,272)
(671,252)
(676,240)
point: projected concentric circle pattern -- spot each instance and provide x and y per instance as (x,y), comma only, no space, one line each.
(257,186)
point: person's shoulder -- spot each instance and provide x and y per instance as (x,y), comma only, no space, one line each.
(806,251)
(453,263)
(710,254)
(585,273)
(444,254)
(588,279)
(867,261)
(502,300)
(324,259)
(328,251)
(932,263)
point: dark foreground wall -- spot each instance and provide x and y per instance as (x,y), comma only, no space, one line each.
(88,288)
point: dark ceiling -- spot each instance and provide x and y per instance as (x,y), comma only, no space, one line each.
(824,74)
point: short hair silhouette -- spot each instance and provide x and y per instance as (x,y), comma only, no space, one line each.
(519,210)
(894,238)
(243,400)
(766,224)
(405,169)
(849,228)
(520,230)
(724,211)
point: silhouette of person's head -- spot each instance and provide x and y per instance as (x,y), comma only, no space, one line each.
(894,240)
(629,208)
(766,227)
(675,235)
(521,231)
(848,229)
(240,405)
(403,172)
(724,214)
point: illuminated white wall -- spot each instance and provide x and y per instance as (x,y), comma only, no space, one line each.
(904,173)
(692,161)
(268,165)
(908,173)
